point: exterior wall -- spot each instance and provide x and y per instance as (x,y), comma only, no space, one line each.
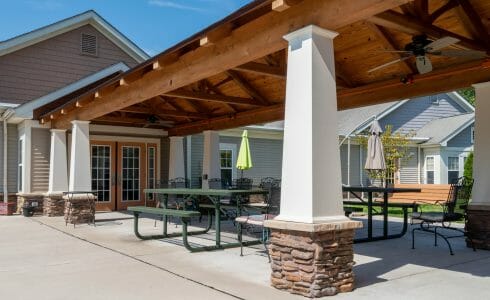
(446,152)
(197,148)
(416,113)
(12,155)
(164,154)
(42,68)
(462,139)
(409,167)
(40,152)
(355,176)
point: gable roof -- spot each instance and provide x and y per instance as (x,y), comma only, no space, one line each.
(89,17)
(440,131)
(26,110)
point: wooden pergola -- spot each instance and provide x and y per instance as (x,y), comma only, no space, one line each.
(234,72)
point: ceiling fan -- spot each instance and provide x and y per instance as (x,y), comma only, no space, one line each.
(421,46)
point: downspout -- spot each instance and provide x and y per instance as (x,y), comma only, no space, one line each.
(348,165)
(418,163)
(5,116)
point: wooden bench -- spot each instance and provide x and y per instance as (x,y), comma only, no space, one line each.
(184,215)
(430,194)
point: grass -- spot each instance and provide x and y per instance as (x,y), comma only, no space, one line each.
(398,212)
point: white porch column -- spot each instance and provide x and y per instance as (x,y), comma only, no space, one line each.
(176,166)
(210,162)
(58,165)
(80,176)
(311,176)
(478,224)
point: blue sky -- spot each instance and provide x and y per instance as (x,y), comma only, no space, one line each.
(154,25)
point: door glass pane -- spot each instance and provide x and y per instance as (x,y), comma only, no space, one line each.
(101,167)
(130,173)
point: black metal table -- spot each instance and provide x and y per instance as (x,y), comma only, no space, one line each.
(386,191)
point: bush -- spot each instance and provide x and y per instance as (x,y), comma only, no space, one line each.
(468,166)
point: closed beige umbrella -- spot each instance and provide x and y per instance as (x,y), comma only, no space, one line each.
(375,154)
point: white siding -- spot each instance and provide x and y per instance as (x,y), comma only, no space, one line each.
(12,153)
(409,168)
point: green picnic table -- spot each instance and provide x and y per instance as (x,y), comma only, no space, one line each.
(215,196)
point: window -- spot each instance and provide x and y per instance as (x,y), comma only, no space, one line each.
(101,172)
(88,44)
(472,137)
(452,169)
(21,165)
(226,164)
(429,169)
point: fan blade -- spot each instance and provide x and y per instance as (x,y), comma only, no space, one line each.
(441,43)
(388,64)
(460,53)
(423,64)
(397,51)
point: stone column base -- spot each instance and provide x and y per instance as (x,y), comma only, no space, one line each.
(53,205)
(34,199)
(312,260)
(79,208)
(478,226)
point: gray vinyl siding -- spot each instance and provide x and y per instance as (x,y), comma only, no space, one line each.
(409,167)
(266,157)
(416,113)
(40,145)
(197,148)
(12,157)
(462,139)
(355,178)
(40,69)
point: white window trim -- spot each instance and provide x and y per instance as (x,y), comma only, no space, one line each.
(233,148)
(425,168)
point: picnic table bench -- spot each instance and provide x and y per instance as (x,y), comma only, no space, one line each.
(184,215)
(429,194)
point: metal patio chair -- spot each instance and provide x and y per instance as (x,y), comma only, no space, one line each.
(453,210)
(271,210)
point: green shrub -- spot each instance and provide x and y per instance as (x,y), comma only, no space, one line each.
(468,166)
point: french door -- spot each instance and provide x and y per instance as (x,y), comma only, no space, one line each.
(120,173)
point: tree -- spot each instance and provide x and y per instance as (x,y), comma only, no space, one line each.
(468,94)
(468,166)
(395,146)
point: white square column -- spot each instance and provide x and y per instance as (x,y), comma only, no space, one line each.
(210,163)
(176,166)
(80,175)
(311,176)
(58,165)
(481,161)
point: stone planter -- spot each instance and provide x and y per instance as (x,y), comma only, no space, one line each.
(79,208)
(53,205)
(7,209)
(312,260)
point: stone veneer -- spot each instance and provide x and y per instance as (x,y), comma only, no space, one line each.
(30,198)
(53,205)
(79,208)
(478,227)
(312,260)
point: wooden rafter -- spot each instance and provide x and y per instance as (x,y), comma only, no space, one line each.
(201,96)
(473,22)
(390,44)
(441,10)
(216,90)
(340,74)
(247,87)
(422,9)
(164,112)
(410,25)
(262,69)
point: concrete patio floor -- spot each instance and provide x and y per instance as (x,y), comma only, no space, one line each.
(41,258)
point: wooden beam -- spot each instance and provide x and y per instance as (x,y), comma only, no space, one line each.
(473,22)
(246,86)
(340,74)
(249,42)
(282,5)
(441,10)
(262,69)
(212,97)
(410,25)
(422,9)
(215,35)
(437,81)
(215,90)
(255,116)
(390,44)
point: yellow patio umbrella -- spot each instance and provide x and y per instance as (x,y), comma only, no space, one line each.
(244,161)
